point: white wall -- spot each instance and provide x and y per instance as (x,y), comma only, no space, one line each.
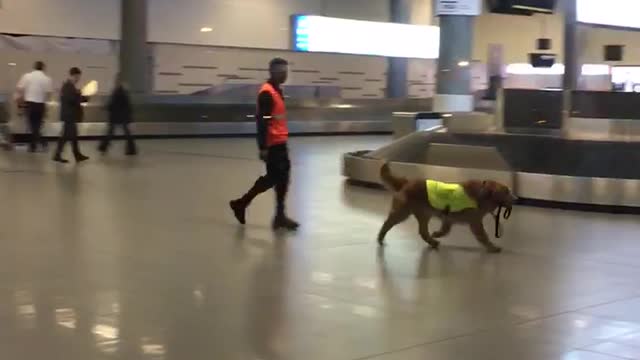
(95,67)
(593,39)
(517,34)
(240,23)
(422,12)
(247,23)
(186,69)
(265,24)
(74,18)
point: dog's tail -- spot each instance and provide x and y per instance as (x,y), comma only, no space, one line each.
(389,180)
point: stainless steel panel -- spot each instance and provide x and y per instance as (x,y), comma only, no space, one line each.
(52,129)
(473,122)
(408,159)
(569,189)
(603,129)
(204,109)
(368,170)
(580,190)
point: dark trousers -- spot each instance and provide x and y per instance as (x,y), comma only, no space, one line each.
(106,140)
(69,133)
(277,177)
(35,114)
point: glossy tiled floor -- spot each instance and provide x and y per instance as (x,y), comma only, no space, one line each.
(139,259)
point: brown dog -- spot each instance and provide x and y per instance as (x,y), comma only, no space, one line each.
(411,197)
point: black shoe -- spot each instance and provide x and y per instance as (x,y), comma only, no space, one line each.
(239,210)
(283,222)
(81,158)
(60,160)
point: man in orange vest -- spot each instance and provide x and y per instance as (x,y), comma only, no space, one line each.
(273,134)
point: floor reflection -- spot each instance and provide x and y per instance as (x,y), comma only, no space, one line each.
(138,260)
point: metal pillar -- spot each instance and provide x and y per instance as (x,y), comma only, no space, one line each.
(397,69)
(454,64)
(570,56)
(135,64)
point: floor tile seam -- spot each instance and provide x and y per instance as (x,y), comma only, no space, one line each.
(222,157)
(473,333)
(573,261)
(427,343)
(12,171)
(602,353)
(199,154)
(578,311)
(607,339)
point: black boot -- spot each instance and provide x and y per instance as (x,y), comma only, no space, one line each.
(282,221)
(81,158)
(239,208)
(58,158)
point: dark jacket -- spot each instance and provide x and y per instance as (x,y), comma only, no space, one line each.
(71,103)
(119,106)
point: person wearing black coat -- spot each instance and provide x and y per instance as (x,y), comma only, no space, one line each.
(120,114)
(71,113)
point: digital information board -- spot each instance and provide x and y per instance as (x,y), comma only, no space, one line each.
(334,35)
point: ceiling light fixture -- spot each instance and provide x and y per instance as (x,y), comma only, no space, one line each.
(206,29)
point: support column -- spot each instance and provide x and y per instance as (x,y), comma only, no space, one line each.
(397,69)
(135,64)
(571,66)
(453,91)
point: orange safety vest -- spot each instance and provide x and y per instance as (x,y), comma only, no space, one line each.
(277,129)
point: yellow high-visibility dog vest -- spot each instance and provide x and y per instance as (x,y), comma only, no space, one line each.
(451,196)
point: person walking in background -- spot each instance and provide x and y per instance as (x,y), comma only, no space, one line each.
(120,114)
(33,91)
(71,113)
(273,135)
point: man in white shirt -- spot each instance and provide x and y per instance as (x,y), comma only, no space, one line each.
(34,90)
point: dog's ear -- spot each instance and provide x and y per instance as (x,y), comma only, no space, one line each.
(475,189)
(488,190)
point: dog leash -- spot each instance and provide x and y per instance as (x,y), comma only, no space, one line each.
(506,216)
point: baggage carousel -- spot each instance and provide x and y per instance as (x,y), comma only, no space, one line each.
(171,116)
(590,162)
(542,168)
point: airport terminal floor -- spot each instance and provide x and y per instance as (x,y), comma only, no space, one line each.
(139,258)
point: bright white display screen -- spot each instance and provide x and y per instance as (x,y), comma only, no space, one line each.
(626,78)
(334,35)
(622,13)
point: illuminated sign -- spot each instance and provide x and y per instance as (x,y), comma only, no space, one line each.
(345,36)
(459,7)
(620,13)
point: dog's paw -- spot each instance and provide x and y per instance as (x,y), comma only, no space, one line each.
(437,235)
(494,250)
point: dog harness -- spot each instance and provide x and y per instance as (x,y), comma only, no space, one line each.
(449,196)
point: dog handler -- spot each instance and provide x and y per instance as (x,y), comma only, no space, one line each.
(273,134)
